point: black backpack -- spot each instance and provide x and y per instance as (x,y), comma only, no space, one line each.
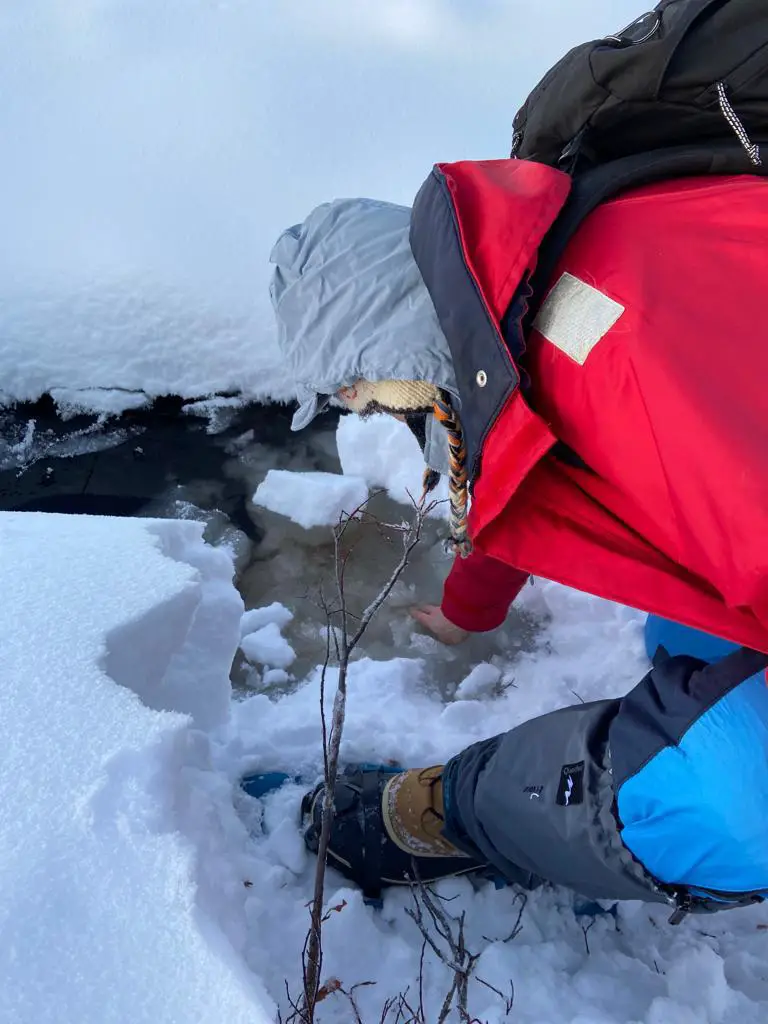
(682,91)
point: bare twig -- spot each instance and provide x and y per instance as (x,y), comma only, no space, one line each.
(441,932)
(323,675)
(297,1013)
(509,1001)
(421,979)
(523,898)
(455,956)
(345,645)
(387,1009)
(406,1011)
(350,996)
(410,539)
(586,929)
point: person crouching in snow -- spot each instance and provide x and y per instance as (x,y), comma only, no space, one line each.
(619,445)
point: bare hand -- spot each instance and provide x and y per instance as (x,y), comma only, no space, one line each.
(432,619)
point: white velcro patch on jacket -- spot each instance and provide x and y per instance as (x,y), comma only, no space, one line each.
(576,316)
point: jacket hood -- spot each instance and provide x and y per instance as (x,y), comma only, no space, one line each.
(351,304)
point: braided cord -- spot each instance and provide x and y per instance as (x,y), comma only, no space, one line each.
(458,482)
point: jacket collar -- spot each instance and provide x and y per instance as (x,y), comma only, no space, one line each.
(475,231)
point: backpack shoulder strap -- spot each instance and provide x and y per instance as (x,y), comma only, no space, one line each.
(604,182)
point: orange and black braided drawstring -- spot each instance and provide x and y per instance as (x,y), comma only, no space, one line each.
(458,484)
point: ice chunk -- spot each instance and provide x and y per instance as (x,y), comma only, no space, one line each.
(311,499)
(71,402)
(480,680)
(268,647)
(258,617)
(383,452)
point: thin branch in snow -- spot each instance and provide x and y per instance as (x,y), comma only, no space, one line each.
(509,1001)
(455,955)
(421,978)
(345,645)
(297,1014)
(410,539)
(323,675)
(522,897)
(586,929)
(441,932)
(350,996)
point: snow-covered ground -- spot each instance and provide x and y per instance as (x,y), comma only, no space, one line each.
(116,639)
(139,885)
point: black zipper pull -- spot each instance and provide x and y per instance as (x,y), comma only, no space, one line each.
(683,907)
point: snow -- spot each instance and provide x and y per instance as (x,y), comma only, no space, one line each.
(480,680)
(275,677)
(137,882)
(630,968)
(383,452)
(266,646)
(262,642)
(158,149)
(101,402)
(112,345)
(117,637)
(311,499)
(256,618)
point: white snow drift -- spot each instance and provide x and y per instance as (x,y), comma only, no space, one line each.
(116,638)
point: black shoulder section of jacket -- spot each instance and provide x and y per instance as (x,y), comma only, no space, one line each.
(668,701)
(486,374)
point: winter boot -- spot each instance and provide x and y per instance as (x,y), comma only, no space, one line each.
(387,829)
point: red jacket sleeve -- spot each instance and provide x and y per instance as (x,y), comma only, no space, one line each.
(479,591)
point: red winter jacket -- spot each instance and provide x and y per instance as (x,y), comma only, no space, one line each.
(649,360)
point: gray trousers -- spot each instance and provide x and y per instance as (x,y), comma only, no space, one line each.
(537,803)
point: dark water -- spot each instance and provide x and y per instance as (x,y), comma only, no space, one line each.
(163,463)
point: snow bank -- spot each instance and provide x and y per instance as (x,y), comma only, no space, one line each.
(156,148)
(311,499)
(113,345)
(383,452)
(117,637)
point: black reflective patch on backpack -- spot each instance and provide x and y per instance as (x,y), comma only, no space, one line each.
(571,788)
(640,30)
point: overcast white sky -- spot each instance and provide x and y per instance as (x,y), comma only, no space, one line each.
(175,138)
